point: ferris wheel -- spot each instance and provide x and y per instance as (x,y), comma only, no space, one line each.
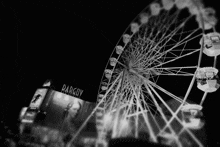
(153,74)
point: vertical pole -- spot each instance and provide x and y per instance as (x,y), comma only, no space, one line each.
(136,121)
(215,61)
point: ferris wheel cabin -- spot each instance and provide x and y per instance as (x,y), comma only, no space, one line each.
(207,79)
(211,44)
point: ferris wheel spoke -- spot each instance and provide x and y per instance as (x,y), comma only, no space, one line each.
(154,118)
(160,54)
(152,135)
(174,115)
(173,74)
(161,89)
(173,50)
(183,101)
(165,68)
(115,96)
(174,47)
(94,110)
(147,106)
(192,135)
(156,59)
(186,39)
(149,109)
(166,92)
(137,118)
(130,107)
(154,47)
(164,103)
(159,109)
(168,124)
(145,98)
(172,60)
(175,71)
(168,36)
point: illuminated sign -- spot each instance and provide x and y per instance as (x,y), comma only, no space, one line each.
(76,92)
(38,98)
(29,117)
(22,113)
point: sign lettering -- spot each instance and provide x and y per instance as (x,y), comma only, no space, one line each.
(76,92)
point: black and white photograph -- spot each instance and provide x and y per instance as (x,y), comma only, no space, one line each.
(109,73)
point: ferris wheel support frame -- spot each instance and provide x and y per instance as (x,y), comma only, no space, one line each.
(150,87)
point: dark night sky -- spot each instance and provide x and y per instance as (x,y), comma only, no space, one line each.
(70,41)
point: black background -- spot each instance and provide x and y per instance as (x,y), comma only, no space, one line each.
(64,40)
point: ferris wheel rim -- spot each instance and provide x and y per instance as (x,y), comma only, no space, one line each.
(193,78)
(127,28)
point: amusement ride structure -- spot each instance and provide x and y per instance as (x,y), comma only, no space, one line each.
(158,58)
(157,77)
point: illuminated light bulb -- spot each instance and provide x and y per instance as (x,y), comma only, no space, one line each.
(134,27)
(155,9)
(76,106)
(66,98)
(167,4)
(183,3)
(108,121)
(124,128)
(144,17)
(59,95)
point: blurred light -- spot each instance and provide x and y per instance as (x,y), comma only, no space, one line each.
(76,106)
(66,98)
(59,95)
